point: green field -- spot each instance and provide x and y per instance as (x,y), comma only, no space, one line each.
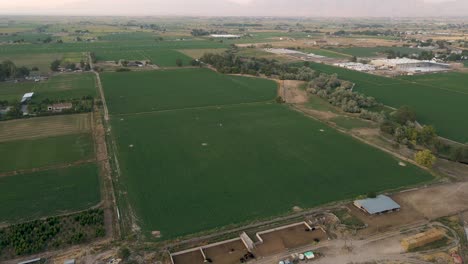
(376,51)
(438,99)
(226,164)
(33,153)
(62,86)
(240,163)
(46,193)
(163,58)
(133,92)
(453,81)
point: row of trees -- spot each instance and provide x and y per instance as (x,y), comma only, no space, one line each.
(339,93)
(55,66)
(229,62)
(204,32)
(8,70)
(402,125)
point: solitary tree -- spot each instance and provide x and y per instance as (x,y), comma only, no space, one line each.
(425,158)
(179,63)
(54,66)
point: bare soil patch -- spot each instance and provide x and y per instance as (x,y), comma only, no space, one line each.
(367,132)
(107,191)
(228,253)
(291,92)
(437,201)
(44,127)
(289,238)
(192,257)
(321,115)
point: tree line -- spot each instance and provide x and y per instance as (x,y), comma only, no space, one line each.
(8,70)
(231,63)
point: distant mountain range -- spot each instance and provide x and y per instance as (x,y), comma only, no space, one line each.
(315,8)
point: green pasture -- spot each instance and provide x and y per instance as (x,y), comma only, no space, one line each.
(46,193)
(453,81)
(226,165)
(62,86)
(438,99)
(161,57)
(133,92)
(12,50)
(35,153)
(42,60)
(28,37)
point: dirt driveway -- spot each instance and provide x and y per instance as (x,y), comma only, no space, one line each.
(291,92)
(437,201)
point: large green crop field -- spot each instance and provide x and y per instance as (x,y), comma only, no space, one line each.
(229,162)
(438,99)
(132,92)
(63,86)
(46,193)
(238,163)
(33,153)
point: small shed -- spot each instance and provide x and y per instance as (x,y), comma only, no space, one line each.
(378,205)
(69,261)
(27,97)
(59,107)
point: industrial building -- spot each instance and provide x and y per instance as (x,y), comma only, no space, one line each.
(356,66)
(227,36)
(378,205)
(410,65)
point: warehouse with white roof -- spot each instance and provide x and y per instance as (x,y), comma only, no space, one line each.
(378,205)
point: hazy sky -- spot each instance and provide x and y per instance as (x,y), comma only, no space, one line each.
(238,7)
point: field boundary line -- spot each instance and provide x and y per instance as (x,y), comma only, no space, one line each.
(46,168)
(298,109)
(193,108)
(120,223)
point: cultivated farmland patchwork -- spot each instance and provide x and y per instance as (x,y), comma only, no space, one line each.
(218,161)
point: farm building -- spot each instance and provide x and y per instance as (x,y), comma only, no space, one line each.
(378,205)
(59,107)
(356,66)
(26,97)
(422,239)
(410,65)
(227,36)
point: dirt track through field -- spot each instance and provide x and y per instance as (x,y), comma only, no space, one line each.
(44,127)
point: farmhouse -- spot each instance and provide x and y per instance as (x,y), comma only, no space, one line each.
(59,107)
(26,97)
(378,205)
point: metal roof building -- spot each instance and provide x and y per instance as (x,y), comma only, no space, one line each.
(26,97)
(378,205)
